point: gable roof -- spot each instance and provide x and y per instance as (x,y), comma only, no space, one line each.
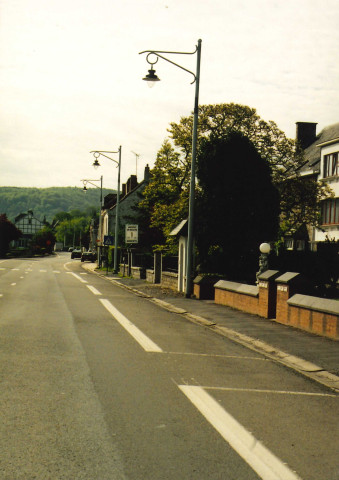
(312,153)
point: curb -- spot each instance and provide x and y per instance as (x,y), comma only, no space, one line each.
(308,369)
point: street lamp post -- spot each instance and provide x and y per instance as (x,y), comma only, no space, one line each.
(96,164)
(150,78)
(85,181)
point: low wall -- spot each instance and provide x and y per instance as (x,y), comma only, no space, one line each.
(237,295)
(169,280)
(150,276)
(136,272)
(256,299)
(316,315)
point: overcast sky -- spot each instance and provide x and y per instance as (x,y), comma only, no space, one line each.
(71,76)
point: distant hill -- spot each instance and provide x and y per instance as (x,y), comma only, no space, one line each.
(46,202)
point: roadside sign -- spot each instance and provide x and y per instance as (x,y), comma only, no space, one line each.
(108,240)
(131,233)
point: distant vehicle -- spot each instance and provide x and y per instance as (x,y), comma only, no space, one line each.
(58,246)
(88,256)
(76,253)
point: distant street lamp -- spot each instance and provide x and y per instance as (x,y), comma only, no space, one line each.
(96,164)
(151,78)
(85,181)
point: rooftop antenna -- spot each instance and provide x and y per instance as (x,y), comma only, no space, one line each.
(137,155)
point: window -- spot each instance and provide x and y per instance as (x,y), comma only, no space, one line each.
(289,244)
(300,245)
(331,167)
(330,212)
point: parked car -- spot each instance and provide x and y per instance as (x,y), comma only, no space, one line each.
(76,253)
(88,256)
(70,249)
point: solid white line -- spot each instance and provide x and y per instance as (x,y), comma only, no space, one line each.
(77,276)
(217,355)
(260,459)
(93,290)
(281,392)
(146,343)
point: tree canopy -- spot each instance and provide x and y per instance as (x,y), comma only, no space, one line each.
(237,207)
(167,194)
(8,232)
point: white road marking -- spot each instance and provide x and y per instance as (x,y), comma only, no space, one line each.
(15,269)
(93,290)
(146,343)
(281,392)
(1,295)
(12,284)
(83,273)
(2,268)
(77,276)
(258,457)
(43,271)
(22,277)
(56,271)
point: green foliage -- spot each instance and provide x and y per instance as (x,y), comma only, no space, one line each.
(166,197)
(237,207)
(43,241)
(47,202)
(74,228)
(8,232)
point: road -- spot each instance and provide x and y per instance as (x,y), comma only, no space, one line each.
(98,383)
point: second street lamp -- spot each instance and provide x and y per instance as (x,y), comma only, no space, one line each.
(96,164)
(150,78)
(85,181)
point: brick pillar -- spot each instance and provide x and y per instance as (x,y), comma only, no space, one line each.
(267,293)
(288,285)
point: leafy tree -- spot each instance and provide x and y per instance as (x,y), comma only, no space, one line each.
(172,167)
(8,232)
(166,197)
(237,207)
(44,240)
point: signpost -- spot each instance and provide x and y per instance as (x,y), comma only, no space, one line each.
(108,240)
(131,233)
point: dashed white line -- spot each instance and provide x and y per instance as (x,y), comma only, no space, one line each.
(93,290)
(12,284)
(77,276)
(15,269)
(146,343)
(260,459)
(43,271)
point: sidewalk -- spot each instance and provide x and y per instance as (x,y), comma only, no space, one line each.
(311,355)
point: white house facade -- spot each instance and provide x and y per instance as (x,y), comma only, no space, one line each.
(322,155)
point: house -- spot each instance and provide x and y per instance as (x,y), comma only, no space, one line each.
(130,196)
(29,226)
(322,163)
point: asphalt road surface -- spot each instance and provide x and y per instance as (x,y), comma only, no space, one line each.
(98,383)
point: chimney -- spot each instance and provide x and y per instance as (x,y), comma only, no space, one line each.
(131,183)
(123,192)
(147,174)
(306,133)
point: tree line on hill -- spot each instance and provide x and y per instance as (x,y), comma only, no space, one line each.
(47,202)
